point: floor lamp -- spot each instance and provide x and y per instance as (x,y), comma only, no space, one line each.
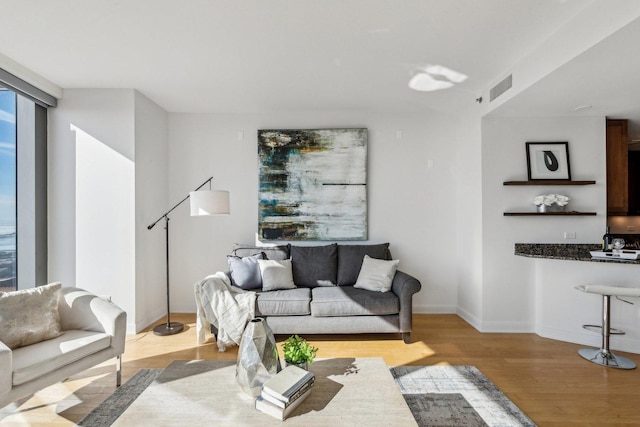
(202,203)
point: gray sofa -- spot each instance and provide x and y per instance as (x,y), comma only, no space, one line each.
(325,300)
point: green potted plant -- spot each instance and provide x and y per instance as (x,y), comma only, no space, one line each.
(297,351)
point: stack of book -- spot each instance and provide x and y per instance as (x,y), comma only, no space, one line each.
(283,392)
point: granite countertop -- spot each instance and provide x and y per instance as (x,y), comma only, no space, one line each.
(575,252)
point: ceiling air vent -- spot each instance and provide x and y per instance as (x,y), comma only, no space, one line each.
(500,88)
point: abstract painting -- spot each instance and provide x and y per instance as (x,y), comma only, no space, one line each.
(313,184)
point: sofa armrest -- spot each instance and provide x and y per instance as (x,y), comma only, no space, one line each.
(404,286)
(83,310)
(6,368)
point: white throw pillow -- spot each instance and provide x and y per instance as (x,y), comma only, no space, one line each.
(376,274)
(30,316)
(276,274)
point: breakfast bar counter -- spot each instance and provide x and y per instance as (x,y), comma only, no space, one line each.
(560,310)
(573,252)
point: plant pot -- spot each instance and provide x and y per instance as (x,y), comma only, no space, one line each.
(552,208)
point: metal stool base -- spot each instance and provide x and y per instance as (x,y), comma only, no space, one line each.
(606,358)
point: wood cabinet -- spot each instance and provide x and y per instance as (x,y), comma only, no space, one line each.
(634,183)
(617,167)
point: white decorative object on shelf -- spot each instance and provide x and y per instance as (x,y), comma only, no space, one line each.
(551,202)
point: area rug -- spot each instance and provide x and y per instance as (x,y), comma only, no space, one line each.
(456,396)
(113,406)
(437,396)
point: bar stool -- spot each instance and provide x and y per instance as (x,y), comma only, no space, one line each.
(603,356)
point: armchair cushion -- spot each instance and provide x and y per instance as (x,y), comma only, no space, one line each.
(19,326)
(38,359)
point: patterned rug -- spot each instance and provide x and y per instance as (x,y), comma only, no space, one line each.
(437,396)
(456,396)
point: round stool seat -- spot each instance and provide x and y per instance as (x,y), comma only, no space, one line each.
(614,291)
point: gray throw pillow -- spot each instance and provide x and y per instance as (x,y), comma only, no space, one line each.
(245,272)
(29,316)
(315,265)
(350,260)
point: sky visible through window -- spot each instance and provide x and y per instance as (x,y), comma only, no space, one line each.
(7,189)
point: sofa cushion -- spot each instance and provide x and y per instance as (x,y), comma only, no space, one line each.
(29,316)
(276,274)
(245,273)
(290,302)
(315,265)
(376,274)
(350,301)
(271,252)
(36,360)
(350,260)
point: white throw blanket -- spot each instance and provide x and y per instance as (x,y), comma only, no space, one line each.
(224,306)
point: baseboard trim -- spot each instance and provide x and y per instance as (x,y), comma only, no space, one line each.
(494,327)
(469,318)
(589,339)
(434,309)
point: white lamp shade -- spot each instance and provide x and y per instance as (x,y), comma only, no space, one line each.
(209,202)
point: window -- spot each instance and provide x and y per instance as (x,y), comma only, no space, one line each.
(8,202)
(23,183)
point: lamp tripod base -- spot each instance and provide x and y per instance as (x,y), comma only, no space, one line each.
(170,328)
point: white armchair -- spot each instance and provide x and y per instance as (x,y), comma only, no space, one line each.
(94,331)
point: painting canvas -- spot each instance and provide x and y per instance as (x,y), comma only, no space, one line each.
(313,184)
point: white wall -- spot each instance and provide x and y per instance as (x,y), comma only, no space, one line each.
(410,205)
(509,281)
(91,194)
(469,257)
(100,199)
(151,187)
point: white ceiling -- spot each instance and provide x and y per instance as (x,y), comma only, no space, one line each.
(266,55)
(605,79)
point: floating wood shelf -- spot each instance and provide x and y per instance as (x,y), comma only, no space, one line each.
(549,182)
(550,213)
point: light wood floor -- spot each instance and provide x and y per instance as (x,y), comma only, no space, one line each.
(545,378)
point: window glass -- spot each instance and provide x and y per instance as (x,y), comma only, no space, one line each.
(8,257)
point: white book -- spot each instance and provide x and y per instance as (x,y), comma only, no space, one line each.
(269,408)
(286,382)
(281,403)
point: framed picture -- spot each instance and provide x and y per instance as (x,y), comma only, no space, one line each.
(313,184)
(548,161)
